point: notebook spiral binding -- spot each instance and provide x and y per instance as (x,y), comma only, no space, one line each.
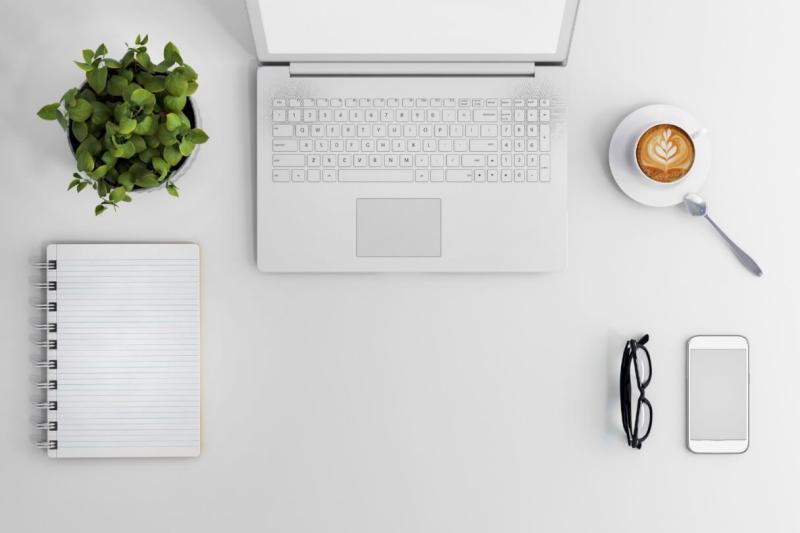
(49,362)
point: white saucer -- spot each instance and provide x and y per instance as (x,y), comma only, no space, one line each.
(623,165)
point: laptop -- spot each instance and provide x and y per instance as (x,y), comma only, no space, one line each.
(412,135)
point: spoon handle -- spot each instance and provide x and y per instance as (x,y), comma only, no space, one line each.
(743,258)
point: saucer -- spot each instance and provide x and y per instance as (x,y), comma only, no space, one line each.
(623,165)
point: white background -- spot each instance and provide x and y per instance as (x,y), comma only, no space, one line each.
(410,403)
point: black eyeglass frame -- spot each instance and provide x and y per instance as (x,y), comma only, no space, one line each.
(630,356)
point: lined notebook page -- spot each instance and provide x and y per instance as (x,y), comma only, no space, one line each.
(128,350)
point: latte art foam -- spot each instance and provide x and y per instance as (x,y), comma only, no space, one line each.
(665,153)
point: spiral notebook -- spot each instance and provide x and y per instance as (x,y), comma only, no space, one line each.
(122,350)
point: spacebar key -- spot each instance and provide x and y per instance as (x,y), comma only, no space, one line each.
(380,174)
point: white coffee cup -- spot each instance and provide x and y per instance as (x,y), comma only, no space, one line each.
(693,136)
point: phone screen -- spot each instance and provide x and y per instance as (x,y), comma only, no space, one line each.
(718,394)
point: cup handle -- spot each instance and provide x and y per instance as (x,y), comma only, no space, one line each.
(699,133)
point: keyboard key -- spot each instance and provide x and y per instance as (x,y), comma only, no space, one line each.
(491,174)
(299,174)
(314,174)
(489,130)
(532,102)
(545,161)
(544,138)
(460,175)
(329,175)
(544,175)
(519,174)
(308,102)
(485,115)
(279,115)
(544,115)
(473,160)
(287,160)
(533,115)
(544,102)
(284,145)
(505,175)
(293,115)
(533,174)
(422,175)
(437,175)
(376,175)
(480,175)
(279,102)
(281,174)
(294,102)
(282,130)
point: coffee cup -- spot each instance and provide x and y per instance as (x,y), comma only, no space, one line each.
(664,153)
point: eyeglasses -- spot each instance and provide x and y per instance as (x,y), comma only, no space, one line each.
(636,361)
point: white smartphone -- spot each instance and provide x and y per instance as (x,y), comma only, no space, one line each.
(718,394)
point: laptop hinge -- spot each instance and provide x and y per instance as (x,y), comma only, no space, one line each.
(408,68)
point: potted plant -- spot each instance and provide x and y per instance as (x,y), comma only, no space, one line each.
(132,125)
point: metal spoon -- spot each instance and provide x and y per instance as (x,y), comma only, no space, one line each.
(697,207)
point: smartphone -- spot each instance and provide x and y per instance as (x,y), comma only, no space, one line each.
(718,394)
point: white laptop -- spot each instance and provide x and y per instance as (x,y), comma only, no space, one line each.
(412,135)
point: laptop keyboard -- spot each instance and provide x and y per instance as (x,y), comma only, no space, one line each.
(468,140)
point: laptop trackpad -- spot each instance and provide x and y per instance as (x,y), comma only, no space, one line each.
(399,227)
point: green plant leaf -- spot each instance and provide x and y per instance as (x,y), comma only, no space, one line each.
(176,85)
(91,145)
(143,98)
(112,63)
(85,161)
(144,40)
(144,125)
(138,143)
(61,120)
(174,103)
(102,189)
(145,156)
(117,194)
(125,150)
(73,183)
(172,189)
(109,159)
(100,113)
(80,130)
(84,66)
(126,181)
(147,181)
(186,147)
(88,55)
(191,88)
(166,137)
(197,136)
(172,155)
(187,72)
(161,166)
(49,112)
(99,210)
(81,111)
(82,185)
(127,125)
(97,79)
(69,97)
(143,58)
(171,54)
(173,121)
(101,171)
(117,85)
(101,50)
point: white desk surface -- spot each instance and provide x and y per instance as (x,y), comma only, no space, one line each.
(411,403)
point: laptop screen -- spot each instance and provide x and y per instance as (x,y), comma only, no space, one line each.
(412,26)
